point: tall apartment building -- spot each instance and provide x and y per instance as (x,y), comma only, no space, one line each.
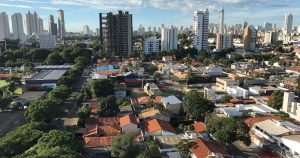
(224,41)
(201,22)
(17,26)
(34,24)
(4,26)
(268,26)
(116,33)
(151,45)
(169,38)
(270,37)
(52,26)
(61,23)
(250,38)
(221,21)
(288,24)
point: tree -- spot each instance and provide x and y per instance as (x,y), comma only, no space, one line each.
(108,106)
(276,100)
(122,146)
(227,130)
(184,148)
(83,113)
(226,98)
(150,69)
(44,110)
(4,102)
(54,59)
(61,92)
(195,106)
(102,88)
(150,150)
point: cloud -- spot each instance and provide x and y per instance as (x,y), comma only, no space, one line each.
(15,6)
(49,8)
(28,1)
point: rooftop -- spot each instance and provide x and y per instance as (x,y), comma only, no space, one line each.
(167,142)
(202,148)
(31,95)
(272,127)
(48,75)
(97,142)
(125,120)
(199,127)
(53,67)
(156,125)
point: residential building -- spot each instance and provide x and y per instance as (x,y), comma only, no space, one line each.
(201,22)
(268,27)
(224,41)
(61,24)
(152,113)
(33,23)
(4,26)
(288,24)
(17,26)
(151,45)
(156,127)
(221,21)
(250,34)
(290,106)
(52,26)
(169,38)
(116,33)
(172,104)
(168,58)
(129,124)
(262,90)
(86,30)
(223,83)
(152,89)
(47,41)
(204,148)
(270,37)
(213,95)
(237,92)
(167,145)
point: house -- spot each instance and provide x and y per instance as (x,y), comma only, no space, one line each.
(224,82)
(167,58)
(167,145)
(98,131)
(156,127)
(236,91)
(152,113)
(213,95)
(152,89)
(172,104)
(204,148)
(199,127)
(129,124)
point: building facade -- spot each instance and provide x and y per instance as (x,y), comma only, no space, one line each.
(52,26)
(17,26)
(224,41)
(250,34)
(288,24)
(151,45)
(4,26)
(61,23)
(116,33)
(201,22)
(47,41)
(270,37)
(169,38)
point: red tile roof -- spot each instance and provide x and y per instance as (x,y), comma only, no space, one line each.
(199,127)
(234,100)
(113,121)
(202,148)
(146,99)
(125,120)
(253,120)
(97,142)
(106,72)
(156,125)
(106,130)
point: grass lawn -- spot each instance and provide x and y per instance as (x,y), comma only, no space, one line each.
(3,83)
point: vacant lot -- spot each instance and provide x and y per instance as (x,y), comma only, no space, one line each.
(10,121)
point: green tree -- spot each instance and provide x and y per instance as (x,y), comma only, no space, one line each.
(227,130)
(4,102)
(108,106)
(150,150)
(196,106)
(184,148)
(61,92)
(44,110)
(54,59)
(102,88)
(276,100)
(226,98)
(83,113)
(122,146)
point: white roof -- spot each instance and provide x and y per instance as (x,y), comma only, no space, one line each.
(232,111)
(272,127)
(171,100)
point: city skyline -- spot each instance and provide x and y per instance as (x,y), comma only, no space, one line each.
(177,13)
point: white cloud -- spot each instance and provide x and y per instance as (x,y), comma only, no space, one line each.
(15,6)
(49,8)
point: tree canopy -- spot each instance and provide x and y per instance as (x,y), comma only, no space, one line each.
(102,88)
(122,146)
(227,130)
(108,106)
(276,100)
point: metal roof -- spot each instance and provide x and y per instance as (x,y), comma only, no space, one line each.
(48,75)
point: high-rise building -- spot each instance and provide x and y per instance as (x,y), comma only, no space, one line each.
(17,26)
(116,33)
(52,26)
(33,24)
(201,21)
(288,24)
(268,26)
(221,21)
(86,30)
(40,25)
(270,37)
(4,26)
(151,45)
(224,41)
(97,32)
(141,30)
(61,23)
(169,38)
(250,38)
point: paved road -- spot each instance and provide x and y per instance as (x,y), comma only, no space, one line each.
(10,121)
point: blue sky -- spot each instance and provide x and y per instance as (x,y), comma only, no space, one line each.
(157,12)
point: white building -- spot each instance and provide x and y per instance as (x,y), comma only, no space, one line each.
(86,30)
(288,24)
(47,41)
(224,41)
(17,26)
(270,37)
(169,38)
(221,21)
(236,91)
(172,104)
(290,106)
(61,24)
(151,45)
(33,24)
(4,26)
(201,22)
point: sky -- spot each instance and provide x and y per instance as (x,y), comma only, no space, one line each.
(157,12)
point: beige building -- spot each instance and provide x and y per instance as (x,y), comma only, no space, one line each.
(290,106)
(223,83)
